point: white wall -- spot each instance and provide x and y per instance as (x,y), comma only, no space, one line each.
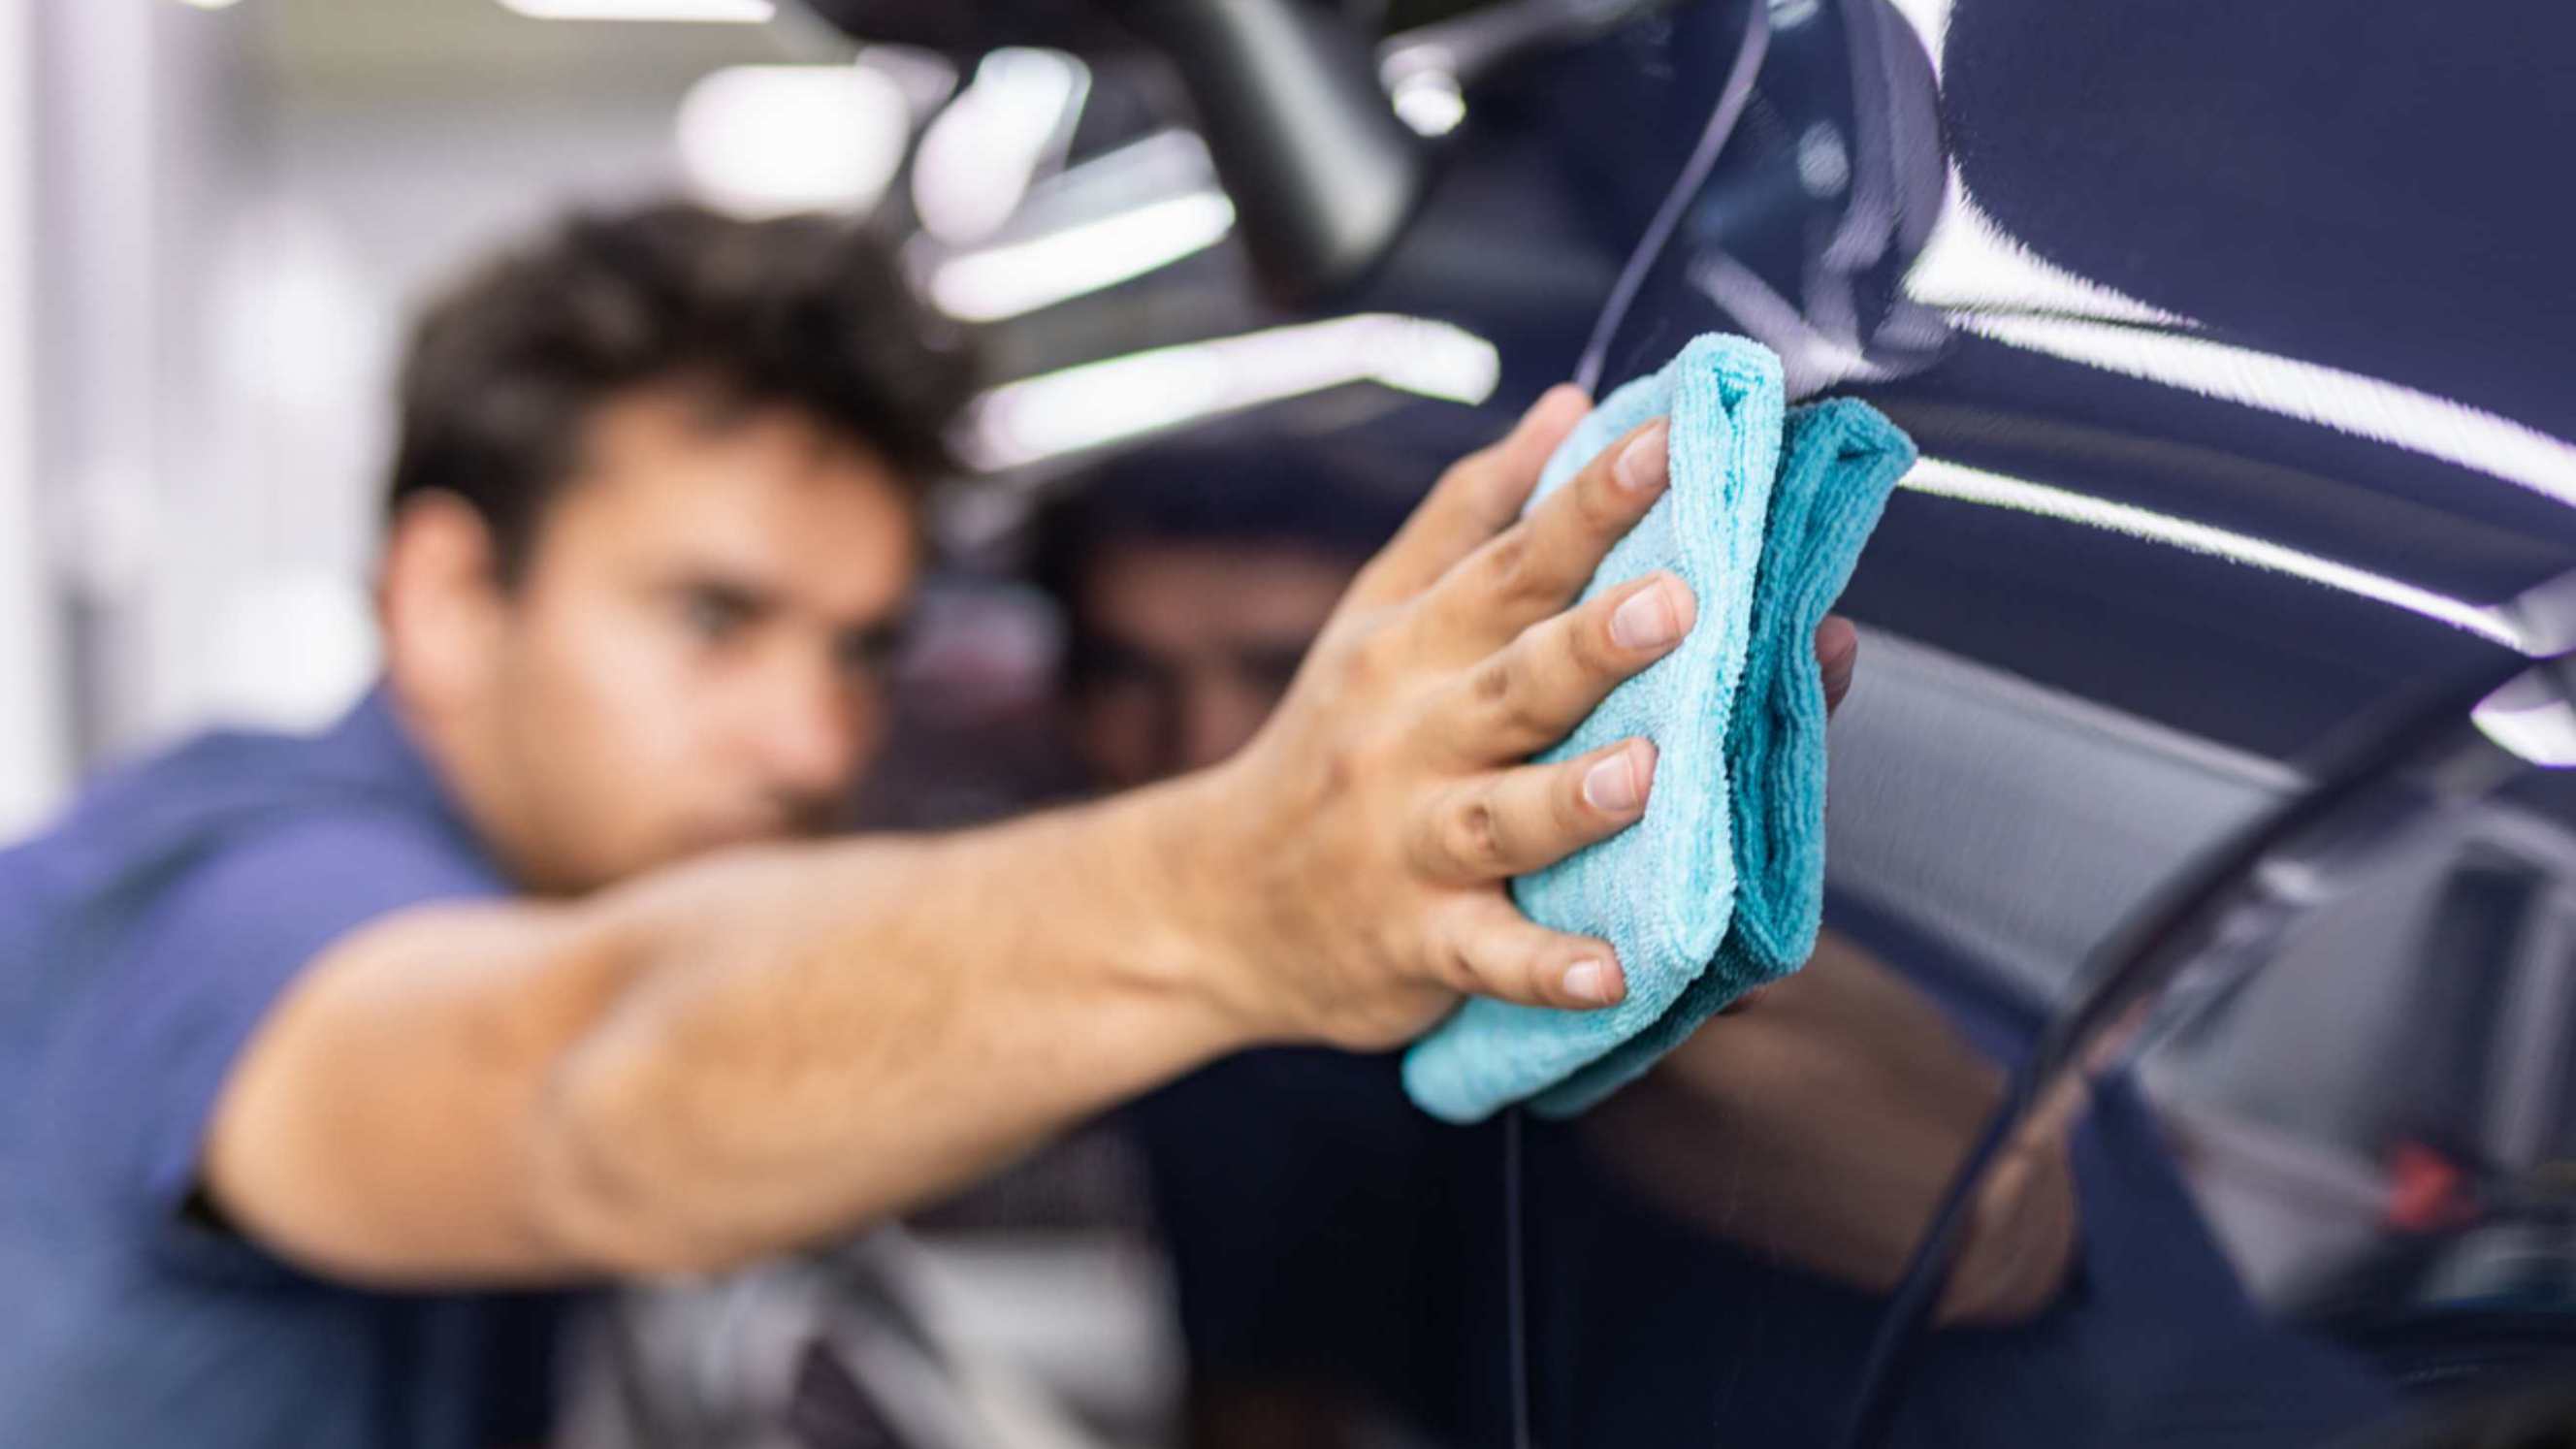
(32,763)
(230,216)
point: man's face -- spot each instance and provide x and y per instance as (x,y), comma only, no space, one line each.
(692,656)
(1190,647)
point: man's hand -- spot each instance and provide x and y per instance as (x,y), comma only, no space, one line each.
(1356,851)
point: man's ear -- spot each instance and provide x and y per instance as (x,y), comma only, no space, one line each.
(441,600)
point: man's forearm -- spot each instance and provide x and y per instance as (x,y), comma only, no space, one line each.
(819,1036)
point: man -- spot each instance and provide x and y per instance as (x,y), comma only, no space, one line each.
(518,978)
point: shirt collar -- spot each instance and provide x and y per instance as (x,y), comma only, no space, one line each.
(372,741)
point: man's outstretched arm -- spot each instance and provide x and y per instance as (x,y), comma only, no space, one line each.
(776,1044)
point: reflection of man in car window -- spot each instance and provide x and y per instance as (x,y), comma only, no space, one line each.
(1191,578)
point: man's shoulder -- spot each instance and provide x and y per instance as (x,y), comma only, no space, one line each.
(225,801)
(144,937)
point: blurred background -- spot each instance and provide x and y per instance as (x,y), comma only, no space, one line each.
(213,219)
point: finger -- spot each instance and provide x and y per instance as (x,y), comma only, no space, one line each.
(1526,697)
(1480,494)
(1515,821)
(1837,650)
(1489,949)
(1529,570)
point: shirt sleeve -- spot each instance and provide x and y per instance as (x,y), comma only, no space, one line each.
(169,1007)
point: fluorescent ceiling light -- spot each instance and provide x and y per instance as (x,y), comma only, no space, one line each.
(1105,402)
(926,78)
(765,140)
(978,157)
(1429,102)
(1011,278)
(1946,479)
(736,12)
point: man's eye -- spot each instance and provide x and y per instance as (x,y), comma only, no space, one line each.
(870,651)
(713,618)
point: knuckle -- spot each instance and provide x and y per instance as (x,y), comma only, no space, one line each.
(1524,685)
(1360,664)
(1476,833)
(1587,640)
(1507,560)
(1598,502)
(1453,964)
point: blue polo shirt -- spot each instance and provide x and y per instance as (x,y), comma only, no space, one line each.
(142,939)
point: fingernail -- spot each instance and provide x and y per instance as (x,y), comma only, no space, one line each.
(1611,785)
(1650,619)
(1644,465)
(1594,981)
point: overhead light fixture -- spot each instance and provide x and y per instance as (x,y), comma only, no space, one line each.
(766,140)
(1016,277)
(728,12)
(926,78)
(1429,102)
(1100,403)
(978,157)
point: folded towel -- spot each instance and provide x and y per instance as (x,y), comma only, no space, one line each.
(1720,887)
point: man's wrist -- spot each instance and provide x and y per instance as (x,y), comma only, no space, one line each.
(1192,892)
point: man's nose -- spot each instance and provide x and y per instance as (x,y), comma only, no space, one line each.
(808,732)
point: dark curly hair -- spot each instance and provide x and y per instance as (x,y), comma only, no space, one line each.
(506,369)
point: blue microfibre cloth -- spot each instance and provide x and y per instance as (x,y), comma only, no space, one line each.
(1720,887)
(1843,460)
(1661,891)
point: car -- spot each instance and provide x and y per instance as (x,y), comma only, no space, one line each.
(2205,772)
